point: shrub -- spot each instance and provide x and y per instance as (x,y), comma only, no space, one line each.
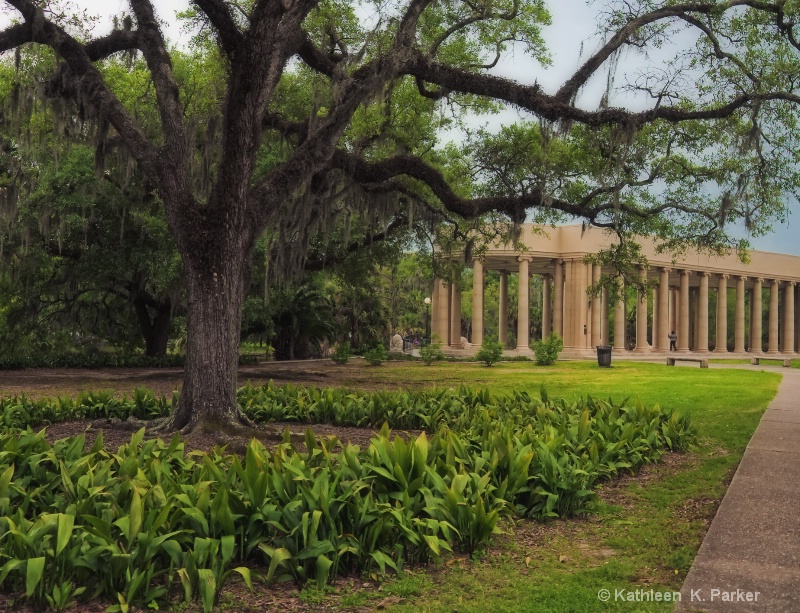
(376,356)
(548,349)
(342,353)
(431,353)
(490,352)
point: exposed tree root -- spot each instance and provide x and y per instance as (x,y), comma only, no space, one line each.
(236,430)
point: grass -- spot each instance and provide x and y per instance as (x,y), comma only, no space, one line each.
(644,534)
(768,361)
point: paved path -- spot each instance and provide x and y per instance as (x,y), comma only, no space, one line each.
(752,549)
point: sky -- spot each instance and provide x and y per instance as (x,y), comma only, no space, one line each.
(573,30)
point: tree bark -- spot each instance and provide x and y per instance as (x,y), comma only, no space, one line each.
(154,330)
(216,283)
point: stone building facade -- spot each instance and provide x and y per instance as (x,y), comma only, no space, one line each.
(680,301)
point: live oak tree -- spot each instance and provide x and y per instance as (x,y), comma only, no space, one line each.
(86,253)
(722,113)
(86,258)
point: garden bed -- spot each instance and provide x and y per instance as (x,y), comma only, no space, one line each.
(153,521)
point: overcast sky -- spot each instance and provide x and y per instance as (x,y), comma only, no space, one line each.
(573,28)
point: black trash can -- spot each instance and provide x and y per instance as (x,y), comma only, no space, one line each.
(604,355)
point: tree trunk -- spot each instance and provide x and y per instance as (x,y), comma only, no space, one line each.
(216,289)
(155,330)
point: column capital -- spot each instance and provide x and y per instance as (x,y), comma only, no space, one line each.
(758,280)
(703,273)
(525,258)
(666,269)
(556,261)
(686,272)
(743,277)
(546,275)
(725,276)
(790,283)
(477,259)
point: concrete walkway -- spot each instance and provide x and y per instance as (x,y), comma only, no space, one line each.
(750,558)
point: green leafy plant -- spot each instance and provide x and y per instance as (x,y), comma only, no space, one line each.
(431,353)
(490,352)
(149,520)
(342,353)
(547,350)
(376,356)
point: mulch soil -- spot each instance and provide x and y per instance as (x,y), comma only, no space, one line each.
(54,382)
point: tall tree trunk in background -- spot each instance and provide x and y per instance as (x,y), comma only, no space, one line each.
(154,329)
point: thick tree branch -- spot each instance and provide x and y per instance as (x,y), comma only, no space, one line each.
(167,93)
(118,40)
(515,206)
(218,13)
(314,57)
(552,108)
(15,36)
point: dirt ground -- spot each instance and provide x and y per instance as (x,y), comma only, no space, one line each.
(53,382)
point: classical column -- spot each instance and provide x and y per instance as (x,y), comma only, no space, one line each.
(756,317)
(596,306)
(547,318)
(663,311)
(619,320)
(435,309)
(558,298)
(683,313)
(641,314)
(523,305)
(796,319)
(702,314)
(788,317)
(772,343)
(722,315)
(673,309)
(694,309)
(738,334)
(654,325)
(444,312)
(477,302)
(455,315)
(606,340)
(502,332)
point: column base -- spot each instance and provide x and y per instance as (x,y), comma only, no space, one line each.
(773,352)
(702,351)
(682,350)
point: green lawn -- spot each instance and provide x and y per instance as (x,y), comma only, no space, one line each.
(643,536)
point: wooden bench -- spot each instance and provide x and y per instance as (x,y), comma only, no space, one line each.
(703,361)
(787,362)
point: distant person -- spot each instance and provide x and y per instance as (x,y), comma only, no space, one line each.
(673,338)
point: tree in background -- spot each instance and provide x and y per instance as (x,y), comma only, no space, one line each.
(87,255)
